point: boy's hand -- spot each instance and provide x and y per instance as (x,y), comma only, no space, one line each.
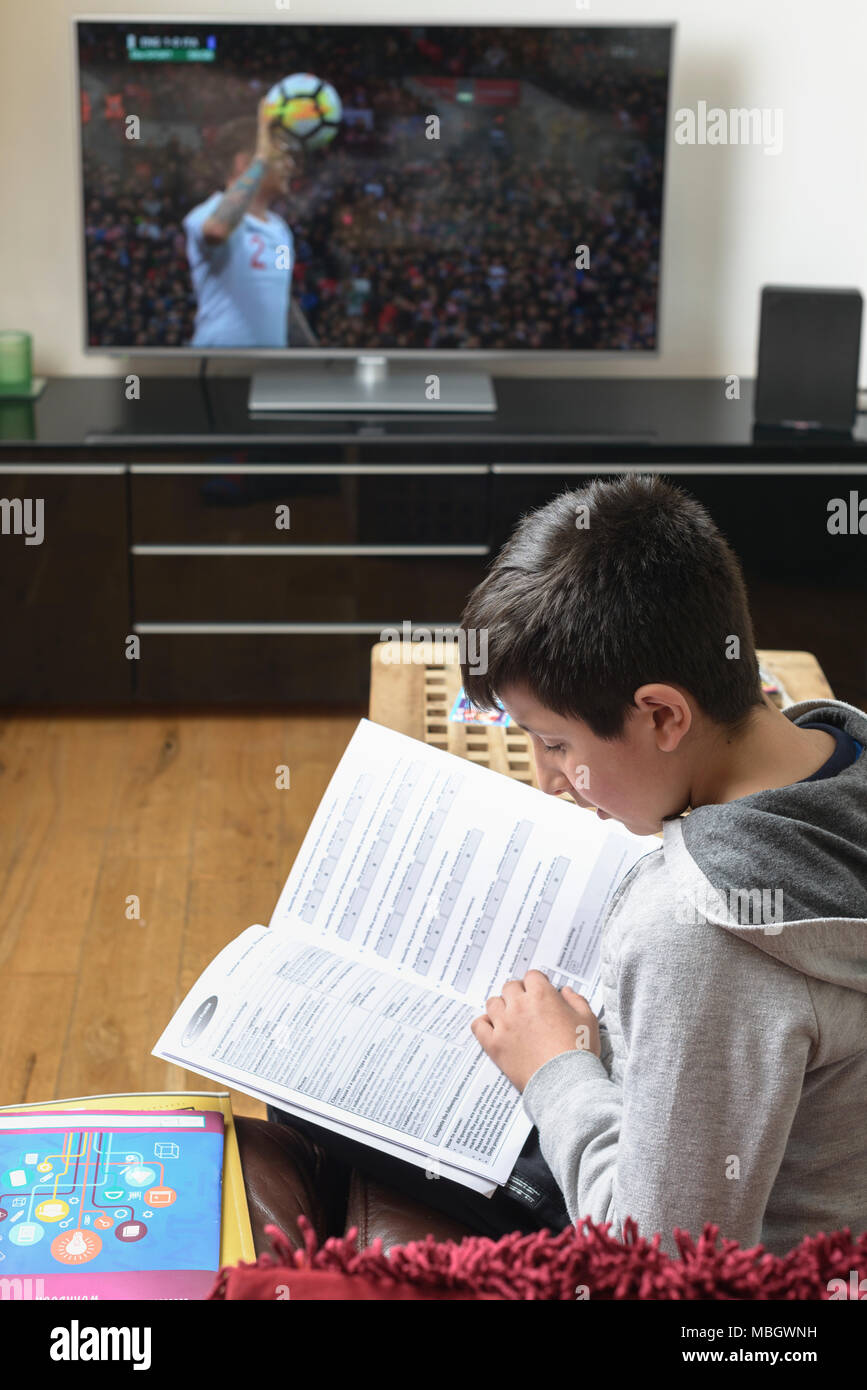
(531,1022)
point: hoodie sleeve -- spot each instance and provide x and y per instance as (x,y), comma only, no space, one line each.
(716,1039)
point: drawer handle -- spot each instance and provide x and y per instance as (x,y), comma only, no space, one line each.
(277,629)
(314,470)
(288,551)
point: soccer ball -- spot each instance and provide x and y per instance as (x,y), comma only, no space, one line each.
(306,107)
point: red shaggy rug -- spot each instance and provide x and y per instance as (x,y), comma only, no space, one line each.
(580,1262)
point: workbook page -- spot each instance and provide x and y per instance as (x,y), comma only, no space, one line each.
(452,875)
(366,1050)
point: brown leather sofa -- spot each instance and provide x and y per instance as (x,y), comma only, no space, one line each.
(287,1175)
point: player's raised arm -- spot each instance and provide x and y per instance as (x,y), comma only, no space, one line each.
(270,154)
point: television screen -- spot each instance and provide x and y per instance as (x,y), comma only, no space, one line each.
(334,188)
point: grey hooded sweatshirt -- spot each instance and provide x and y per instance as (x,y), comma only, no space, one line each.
(732,1085)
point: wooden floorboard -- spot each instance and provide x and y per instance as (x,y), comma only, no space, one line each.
(180,812)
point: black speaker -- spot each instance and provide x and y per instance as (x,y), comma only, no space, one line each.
(809,348)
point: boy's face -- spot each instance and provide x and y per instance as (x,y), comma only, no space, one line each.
(632,779)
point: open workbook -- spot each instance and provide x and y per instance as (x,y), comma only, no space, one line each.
(424,883)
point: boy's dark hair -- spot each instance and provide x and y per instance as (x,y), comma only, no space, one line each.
(605,589)
(238,136)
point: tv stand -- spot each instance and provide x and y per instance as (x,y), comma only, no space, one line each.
(370,383)
(258,560)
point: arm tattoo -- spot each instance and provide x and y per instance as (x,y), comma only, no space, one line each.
(238,197)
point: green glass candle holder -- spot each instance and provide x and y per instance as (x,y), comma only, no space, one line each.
(16,381)
(16,378)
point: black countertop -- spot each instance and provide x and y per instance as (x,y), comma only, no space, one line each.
(688,418)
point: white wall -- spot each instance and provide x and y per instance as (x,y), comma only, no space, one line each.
(735,218)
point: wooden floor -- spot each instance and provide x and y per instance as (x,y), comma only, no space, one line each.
(183,812)
(180,810)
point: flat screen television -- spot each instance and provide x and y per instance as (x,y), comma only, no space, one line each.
(428,192)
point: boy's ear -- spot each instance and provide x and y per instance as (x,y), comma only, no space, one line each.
(669,709)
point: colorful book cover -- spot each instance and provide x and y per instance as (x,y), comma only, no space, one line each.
(462,712)
(117,1204)
(236,1233)
(773,686)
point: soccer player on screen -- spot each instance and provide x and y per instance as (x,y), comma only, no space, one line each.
(241,253)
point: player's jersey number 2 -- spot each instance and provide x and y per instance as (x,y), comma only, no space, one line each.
(256,261)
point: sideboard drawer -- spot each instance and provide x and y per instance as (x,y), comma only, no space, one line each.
(309,588)
(334,504)
(254,668)
(65,609)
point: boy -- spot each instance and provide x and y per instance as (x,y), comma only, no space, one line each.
(729,1081)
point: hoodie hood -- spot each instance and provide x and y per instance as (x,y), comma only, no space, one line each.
(786,869)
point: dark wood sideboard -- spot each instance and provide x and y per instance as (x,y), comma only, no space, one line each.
(161,523)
